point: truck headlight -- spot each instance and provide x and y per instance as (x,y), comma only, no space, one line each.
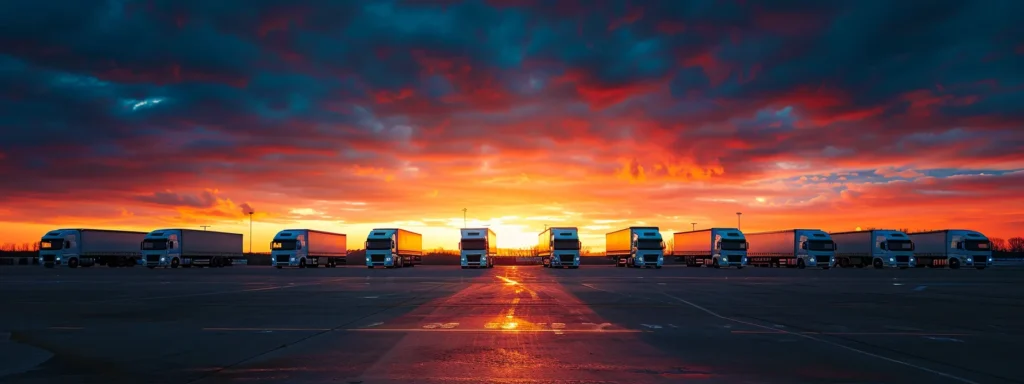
(387,258)
(892,259)
(367,258)
(292,259)
(990,259)
(58,258)
(163,259)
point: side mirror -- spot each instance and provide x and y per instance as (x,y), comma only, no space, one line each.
(881,245)
(803,245)
(959,245)
(67,244)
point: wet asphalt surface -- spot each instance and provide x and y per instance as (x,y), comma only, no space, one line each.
(524,324)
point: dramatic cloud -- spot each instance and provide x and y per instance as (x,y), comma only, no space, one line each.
(347,115)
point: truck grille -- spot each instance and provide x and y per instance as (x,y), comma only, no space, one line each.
(282,258)
(566,258)
(152,258)
(49,258)
(650,258)
(823,259)
(377,258)
(735,258)
(902,259)
(473,258)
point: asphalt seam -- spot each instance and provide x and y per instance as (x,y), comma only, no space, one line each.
(834,344)
(300,340)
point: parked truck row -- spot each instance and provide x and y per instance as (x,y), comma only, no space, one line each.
(557,247)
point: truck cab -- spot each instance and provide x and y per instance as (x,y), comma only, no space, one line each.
(565,248)
(730,248)
(816,248)
(382,249)
(288,249)
(892,249)
(60,247)
(162,248)
(971,248)
(648,249)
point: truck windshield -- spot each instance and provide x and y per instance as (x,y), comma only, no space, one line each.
(51,244)
(648,244)
(977,245)
(474,244)
(821,245)
(154,245)
(378,244)
(283,245)
(567,244)
(900,245)
(734,245)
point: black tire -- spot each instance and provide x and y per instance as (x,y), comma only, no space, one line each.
(877,263)
(175,263)
(800,264)
(980,268)
(369,267)
(954,263)
(277,266)
(73,263)
(302,263)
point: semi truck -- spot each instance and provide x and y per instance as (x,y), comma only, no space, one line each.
(478,248)
(559,247)
(180,247)
(637,247)
(88,247)
(714,247)
(798,248)
(393,247)
(307,248)
(876,247)
(952,247)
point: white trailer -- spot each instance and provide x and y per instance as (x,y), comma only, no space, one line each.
(307,248)
(393,247)
(798,248)
(478,248)
(877,247)
(636,247)
(174,247)
(559,247)
(714,247)
(953,248)
(88,247)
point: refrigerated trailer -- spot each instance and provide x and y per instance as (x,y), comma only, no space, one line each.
(714,247)
(174,247)
(393,247)
(307,248)
(559,247)
(799,248)
(88,247)
(636,247)
(876,247)
(478,248)
(953,248)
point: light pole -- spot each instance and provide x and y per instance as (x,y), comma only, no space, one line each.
(694,226)
(250,230)
(464,217)
(738,222)
(207,226)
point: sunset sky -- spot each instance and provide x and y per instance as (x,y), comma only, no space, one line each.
(348,115)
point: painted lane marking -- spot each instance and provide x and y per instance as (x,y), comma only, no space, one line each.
(809,337)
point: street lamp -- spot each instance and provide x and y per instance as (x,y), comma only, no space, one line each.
(738,214)
(463,217)
(250,230)
(694,226)
(204,227)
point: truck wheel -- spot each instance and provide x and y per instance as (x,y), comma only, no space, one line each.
(73,263)
(980,268)
(369,267)
(739,267)
(175,263)
(277,266)
(954,263)
(877,263)
(302,263)
(800,264)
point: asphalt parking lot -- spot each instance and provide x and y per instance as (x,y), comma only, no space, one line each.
(524,324)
